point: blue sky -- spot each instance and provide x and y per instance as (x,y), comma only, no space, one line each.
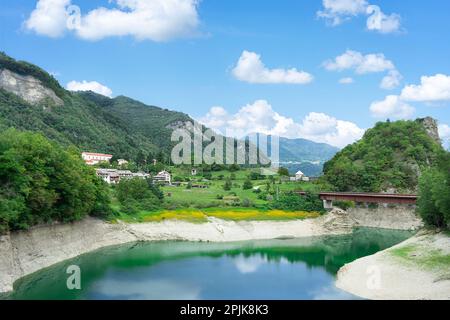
(186,58)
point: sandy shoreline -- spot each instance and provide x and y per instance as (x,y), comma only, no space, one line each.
(413,275)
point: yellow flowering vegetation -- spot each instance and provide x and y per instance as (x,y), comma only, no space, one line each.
(233,214)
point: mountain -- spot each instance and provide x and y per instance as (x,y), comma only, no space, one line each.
(389,157)
(31,99)
(304,155)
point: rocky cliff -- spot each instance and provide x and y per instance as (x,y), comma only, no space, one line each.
(28,88)
(431,128)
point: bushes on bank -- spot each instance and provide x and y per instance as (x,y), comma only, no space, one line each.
(293,202)
(40,182)
(138,194)
(434,194)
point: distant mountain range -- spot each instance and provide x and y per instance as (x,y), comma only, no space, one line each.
(301,154)
(305,155)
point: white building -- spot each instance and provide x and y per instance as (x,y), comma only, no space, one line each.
(141,175)
(110,176)
(91,158)
(163,177)
(299,175)
(114,176)
(125,174)
(122,162)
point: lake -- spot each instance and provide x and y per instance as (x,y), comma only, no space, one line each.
(271,269)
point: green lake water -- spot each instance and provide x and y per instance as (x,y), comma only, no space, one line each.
(273,269)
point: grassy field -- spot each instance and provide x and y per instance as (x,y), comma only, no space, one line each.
(232,214)
(181,196)
(197,204)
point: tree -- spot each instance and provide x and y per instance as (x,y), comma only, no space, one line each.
(283,171)
(40,182)
(227,185)
(138,194)
(294,202)
(390,155)
(247,184)
(434,194)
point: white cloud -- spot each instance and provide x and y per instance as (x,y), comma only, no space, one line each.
(260,117)
(381,22)
(362,64)
(156,20)
(320,127)
(391,107)
(336,12)
(49,18)
(89,86)
(391,80)
(347,80)
(251,69)
(444,133)
(431,89)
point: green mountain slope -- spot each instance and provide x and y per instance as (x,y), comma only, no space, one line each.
(121,126)
(390,157)
(148,121)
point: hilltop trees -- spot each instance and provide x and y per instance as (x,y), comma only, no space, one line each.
(390,155)
(41,182)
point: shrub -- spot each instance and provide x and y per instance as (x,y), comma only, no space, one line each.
(246,203)
(293,202)
(344,205)
(137,194)
(283,172)
(434,194)
(227,185)
(247,184)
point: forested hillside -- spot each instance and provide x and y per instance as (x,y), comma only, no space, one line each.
(121,126)
(390,156)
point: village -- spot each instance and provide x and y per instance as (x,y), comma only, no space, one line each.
(114,176)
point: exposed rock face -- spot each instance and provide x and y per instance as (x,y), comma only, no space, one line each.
(398,217)
(27,87)
(431,127)
(338,219)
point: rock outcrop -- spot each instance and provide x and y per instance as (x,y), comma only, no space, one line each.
(399,217)
(28,88)
(431,128)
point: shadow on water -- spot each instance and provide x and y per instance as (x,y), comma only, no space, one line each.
(269,269)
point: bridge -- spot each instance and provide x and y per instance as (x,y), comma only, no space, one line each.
(329,197)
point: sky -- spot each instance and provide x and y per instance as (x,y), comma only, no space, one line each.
(321,70)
